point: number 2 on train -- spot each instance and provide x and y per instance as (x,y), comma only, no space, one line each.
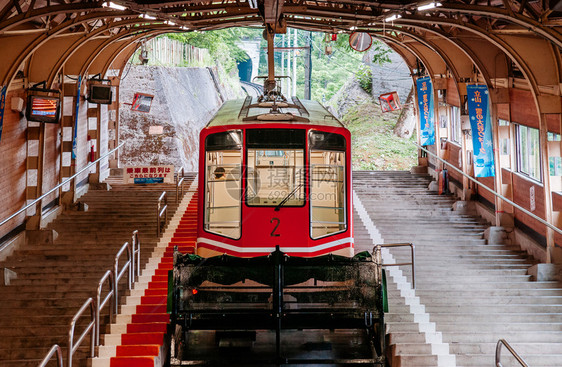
(273,234)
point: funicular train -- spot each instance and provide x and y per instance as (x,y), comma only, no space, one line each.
(275,248)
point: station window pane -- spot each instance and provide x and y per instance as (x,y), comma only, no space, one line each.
(455,124)
(223,162)
(528,152)
(553,137)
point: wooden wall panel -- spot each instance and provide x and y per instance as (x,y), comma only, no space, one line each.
(522,107)
(452,93)
(51,165)
(507,177)
(521,196)
(503,111)
(553,123)
(454,153)
(489,182)
(13,154)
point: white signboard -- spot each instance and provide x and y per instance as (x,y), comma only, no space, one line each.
(155,130)
(148,174)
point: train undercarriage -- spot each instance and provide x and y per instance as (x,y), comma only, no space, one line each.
(277,310)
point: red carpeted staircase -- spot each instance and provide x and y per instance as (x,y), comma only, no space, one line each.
(142,342)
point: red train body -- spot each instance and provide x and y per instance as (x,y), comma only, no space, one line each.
(275,181)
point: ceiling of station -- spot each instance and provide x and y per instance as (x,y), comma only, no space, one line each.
(450,37)
(18,16)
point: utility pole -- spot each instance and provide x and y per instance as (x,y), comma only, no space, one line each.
(308,67)
(295,64)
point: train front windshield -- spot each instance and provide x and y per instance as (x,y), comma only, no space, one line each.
(275,160)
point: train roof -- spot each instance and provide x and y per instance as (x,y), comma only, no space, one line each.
(246,111)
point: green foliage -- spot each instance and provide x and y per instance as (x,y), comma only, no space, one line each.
(374,145)
(222,44)
(365,78)
(329,71)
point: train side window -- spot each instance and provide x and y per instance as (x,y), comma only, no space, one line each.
(327,184)
(223,163)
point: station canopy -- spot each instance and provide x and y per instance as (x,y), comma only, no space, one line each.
(444,33)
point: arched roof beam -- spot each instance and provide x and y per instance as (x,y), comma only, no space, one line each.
(498,42)
(507,15)
(80,7)
(42,38)
(101,47)
(87,37)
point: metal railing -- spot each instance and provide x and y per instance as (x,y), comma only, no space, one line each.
(135,250)
(118,274)
(108,276)
(554,228)
(179,184)
(412,254)
(161,210)
(58,186)
(503,342)
(90,328)
(55,349)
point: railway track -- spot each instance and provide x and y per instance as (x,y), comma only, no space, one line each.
(252,89)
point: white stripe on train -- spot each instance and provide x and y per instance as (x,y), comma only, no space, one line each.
(239,249)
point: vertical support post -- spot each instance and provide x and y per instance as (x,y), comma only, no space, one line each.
(308,68)
(270,59)
(278,298)
(283,72)
(543,139)
(436,124)
(295,63)
(497,162)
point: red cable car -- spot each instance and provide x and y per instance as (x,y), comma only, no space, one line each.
(275,179)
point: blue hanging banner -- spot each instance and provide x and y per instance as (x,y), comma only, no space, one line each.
(2,106)
(480,122)
(76,117)
(425,100)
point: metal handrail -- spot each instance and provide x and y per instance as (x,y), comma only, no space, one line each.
(91,327)
(58,186)
(511,350)
(554,228)
(54,349)
(119,274)
(136,254)
(161,210)
(182,171)
(108,276)
(412,253)
(179,187)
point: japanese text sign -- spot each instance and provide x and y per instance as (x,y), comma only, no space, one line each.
(480,122)
(148,174)
(425,104)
